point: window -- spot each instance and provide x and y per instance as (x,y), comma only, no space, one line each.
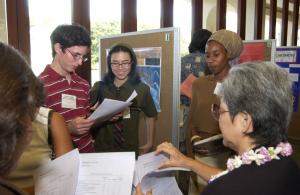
(210,15)
(231,16)
(3,29)
(148,14)
(279,24)
(183,20)
(44,16)
(105,20)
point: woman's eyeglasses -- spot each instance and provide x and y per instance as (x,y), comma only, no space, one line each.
(77,56)
(216,112)
(122,64)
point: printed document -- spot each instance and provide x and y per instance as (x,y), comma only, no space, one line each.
(86,174)
(110,107)
(106,173)
(59,176)
(150,177)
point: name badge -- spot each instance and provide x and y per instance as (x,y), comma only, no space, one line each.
(126,113)
(197,59)
(68,101)
(217,88)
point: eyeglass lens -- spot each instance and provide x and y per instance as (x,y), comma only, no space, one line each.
(123,64)
(77,56)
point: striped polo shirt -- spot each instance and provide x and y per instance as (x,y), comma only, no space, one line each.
(57,86)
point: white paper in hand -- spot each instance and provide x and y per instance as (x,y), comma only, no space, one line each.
(110,107)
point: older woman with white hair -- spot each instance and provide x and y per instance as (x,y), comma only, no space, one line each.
(254,115)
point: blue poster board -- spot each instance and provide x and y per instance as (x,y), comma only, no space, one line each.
(289,59)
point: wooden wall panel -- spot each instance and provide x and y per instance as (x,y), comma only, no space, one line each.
(166,13)
(272,22)
(295,22)
(18,26)
(81,15)
(221,14)
(258,21)
(241,14)
(197,15)
(284,23)
(128,16)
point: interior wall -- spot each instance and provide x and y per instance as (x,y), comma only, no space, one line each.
(3,27)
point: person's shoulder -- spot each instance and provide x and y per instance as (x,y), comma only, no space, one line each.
(203,80)
(49,76)
(193,58)
(9,189)
(80,80)
(288,167)
(141,86)
(45,73)
(268,178)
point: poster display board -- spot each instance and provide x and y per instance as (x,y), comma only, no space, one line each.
(257,50)
(158,65)
(289,59)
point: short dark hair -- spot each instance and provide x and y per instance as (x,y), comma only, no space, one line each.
(199,40)
(133,75)
(70,35)
(21,95)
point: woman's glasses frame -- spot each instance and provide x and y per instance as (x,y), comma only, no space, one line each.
(120,64)
(216,111)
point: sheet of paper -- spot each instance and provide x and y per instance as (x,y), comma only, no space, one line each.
(161,186)
(132,96)
(59,176)
(149,164)
(110,107)
(106,173)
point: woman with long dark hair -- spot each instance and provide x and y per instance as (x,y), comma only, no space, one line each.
(121,80)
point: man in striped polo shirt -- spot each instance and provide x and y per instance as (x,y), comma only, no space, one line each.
(68,93)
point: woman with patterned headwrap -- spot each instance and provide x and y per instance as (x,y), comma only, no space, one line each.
(221,47)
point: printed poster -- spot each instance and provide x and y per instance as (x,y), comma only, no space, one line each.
(149,68)
(289,59)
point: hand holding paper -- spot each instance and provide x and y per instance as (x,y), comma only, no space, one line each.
(150,177)
(110,107)
(177,159)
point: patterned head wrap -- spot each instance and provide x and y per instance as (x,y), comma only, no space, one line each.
(231,41)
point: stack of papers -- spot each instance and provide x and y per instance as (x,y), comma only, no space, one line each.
(85,174)
(112,173)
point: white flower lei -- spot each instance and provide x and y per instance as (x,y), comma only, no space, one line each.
(259,156)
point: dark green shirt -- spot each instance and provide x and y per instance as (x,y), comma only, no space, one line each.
(103,135)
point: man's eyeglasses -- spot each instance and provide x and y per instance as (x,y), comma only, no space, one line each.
(77,56)
(122,64)
(216,112)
